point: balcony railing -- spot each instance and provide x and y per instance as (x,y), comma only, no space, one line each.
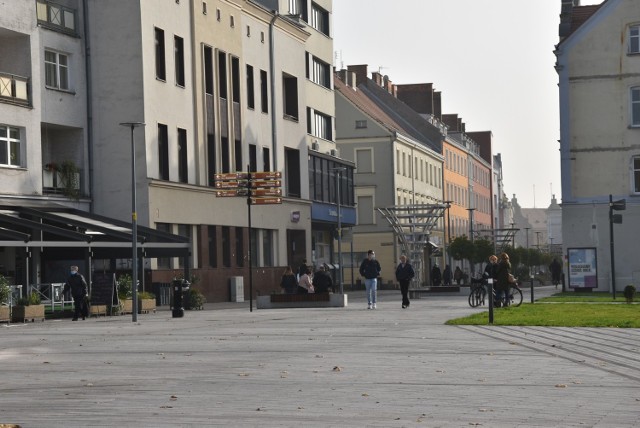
(14,88)
(54,183)
(56,17)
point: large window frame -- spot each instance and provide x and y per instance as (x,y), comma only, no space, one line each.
(10,146)
(56,66)
(161,66)
(634,39)
(635,174)
(634,100)
(178,48)
(319,19)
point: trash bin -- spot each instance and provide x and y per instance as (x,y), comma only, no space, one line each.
(236,292)
(179,287)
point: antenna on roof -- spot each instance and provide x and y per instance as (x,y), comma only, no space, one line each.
(337,55)
(380,68)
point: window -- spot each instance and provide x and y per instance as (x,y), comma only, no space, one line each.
(235,79)
(183,171)
(253,157)
(319,19)
(204,7)
(222,75)
(267,247)
(320,72)
(184,230)
(365,209)
(224,154)
(57,16)
(226,246)
(635,106)
(319,125)
(264,88)
(208,70)
(9,146)
(290,88)
(634,39)
(163,152)
(361,124)
(292,167)
(239,247)
(298,7)
(161,70)
(213,247)
(237,155)
(178,47)
(364,160)
(251,101)
(56,70)
(164,262)
(266,159)
(635,173)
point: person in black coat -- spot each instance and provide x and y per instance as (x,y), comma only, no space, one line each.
(370,270)
(446,275)
(289,282)
(436,276)
(404,275)
(322,281)
(79,291)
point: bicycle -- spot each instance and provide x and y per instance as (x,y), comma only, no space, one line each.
(478,293)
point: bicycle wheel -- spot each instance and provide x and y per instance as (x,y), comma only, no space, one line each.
(515,296)
(476,297)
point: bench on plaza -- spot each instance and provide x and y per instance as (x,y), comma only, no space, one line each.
(417,293)
(314,300)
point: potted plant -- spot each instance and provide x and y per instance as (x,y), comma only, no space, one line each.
(194,299)
(629,293)
(5,293)
(28,308)
(125,290)
(70,179)
(146,302)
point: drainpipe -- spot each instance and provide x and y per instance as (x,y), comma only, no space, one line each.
(272,70)
(87,52)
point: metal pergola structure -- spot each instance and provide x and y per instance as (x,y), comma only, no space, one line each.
(501,238)
(412,225)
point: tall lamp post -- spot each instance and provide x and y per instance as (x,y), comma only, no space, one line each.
(339,171)
(448,203)
(134,223)
(471,210)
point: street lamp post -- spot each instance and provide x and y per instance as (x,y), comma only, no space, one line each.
(134,224)
(339,171)
(471,210)
(529,263)
(448,231)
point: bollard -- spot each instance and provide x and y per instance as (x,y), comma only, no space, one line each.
(490,293)
(179,287)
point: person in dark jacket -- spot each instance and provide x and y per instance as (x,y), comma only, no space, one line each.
(556,271)
(322,281)
(404,275)
(446,275)
(491,269)
(79,291)
(457,275)
(370,270)
(289,282)
(436,276)
(502,277)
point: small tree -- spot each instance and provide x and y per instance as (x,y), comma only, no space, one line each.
(5,291)
(629,293)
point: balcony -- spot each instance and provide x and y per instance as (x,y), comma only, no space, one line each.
(14,89)
(56,17)
(60,182)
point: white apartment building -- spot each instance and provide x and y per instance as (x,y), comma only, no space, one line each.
(598,57)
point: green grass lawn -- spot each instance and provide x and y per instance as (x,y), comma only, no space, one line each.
(584,297)
(559,315)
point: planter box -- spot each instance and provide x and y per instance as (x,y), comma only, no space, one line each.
(4,314)
(28,313)
(127,306)
(146,305)
(98,310)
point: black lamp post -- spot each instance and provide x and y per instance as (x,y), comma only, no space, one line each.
(134,223)
(339,171)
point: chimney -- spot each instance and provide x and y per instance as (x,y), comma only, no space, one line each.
(388,85)
(451,120)
(360,72)
(437,105)
(417,96)
(347,77)
(377,77)
(566,16)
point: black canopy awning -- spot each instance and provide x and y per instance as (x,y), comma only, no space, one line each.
(69,228)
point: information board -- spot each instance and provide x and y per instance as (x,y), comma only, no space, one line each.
(103,289)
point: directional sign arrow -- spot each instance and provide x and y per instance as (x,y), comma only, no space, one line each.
(265,201)
(266,192)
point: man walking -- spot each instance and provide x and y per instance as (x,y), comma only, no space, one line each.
(370,270)
(78,286)
(404,275)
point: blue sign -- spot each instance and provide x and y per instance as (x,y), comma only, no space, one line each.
(329,213)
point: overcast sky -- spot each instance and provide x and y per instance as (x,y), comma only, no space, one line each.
(491,59)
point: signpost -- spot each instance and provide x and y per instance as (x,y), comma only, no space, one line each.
(260,188)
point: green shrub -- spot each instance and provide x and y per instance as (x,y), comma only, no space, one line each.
(31,299)
(5,291)
(146,295)
(125,288)
(629,293)
(194,299)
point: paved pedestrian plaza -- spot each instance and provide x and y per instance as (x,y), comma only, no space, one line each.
(331,367)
